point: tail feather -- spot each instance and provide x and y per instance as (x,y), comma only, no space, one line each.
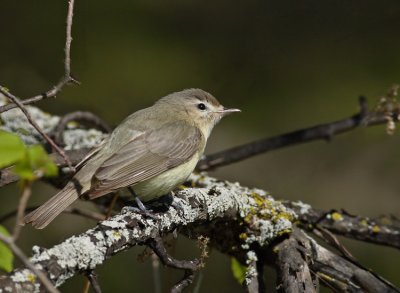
(46,213)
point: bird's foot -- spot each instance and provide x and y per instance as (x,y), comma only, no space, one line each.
(140,209)
(161,204)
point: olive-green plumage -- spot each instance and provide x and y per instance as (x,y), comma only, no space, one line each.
(153,150)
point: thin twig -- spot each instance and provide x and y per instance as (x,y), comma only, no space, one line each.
(92,280)
(88,117)
(18,252)
(189,266)
(86,286)
(66,79)
(68,40)
(155,265)
(51,93)
(36,126)
(26,193)
(331,239)
(322,131)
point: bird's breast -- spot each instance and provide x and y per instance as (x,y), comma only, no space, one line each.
(165,182)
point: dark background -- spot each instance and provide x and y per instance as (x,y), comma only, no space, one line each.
(286,64)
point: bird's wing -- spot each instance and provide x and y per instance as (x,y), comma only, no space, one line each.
(145,156)
(90,155)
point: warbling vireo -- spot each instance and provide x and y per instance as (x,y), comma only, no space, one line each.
(153,151)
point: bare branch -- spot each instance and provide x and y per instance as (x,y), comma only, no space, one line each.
(320,132)
(188,266)
(383,230)
(68,40)
(85,116)
(36,126)
(341,274)
(300,260)
(26,193)
(66,79)
(92,277)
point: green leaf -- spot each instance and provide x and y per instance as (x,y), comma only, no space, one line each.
(6,255)
(36,162)
(12,149)
(40,160)
(238,270)
(23,169)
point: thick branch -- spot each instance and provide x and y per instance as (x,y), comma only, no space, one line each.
(305,260)
(234,217)
(293,260)
(216,202)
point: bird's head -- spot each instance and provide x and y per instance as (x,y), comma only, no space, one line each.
(196,107)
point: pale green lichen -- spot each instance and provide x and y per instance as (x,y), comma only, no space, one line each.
(265,219)
(375,229)
(336,216)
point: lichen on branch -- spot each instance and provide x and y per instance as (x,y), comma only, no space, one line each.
(210,201)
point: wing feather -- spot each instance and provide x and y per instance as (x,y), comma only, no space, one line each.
(147,156)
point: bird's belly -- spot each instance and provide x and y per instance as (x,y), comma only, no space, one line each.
(165,182)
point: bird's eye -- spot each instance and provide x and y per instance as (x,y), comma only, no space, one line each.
(201,106)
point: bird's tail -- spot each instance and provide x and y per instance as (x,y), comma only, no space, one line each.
(46,213)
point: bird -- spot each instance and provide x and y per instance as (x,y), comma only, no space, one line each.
(151,152)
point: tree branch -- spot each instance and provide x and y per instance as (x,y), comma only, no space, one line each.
(66,79)
(302,260)
(189,266)
(235,218)
(383,230)
(32,274)
(319,132)
(217,202)
(36,126)
(293,260)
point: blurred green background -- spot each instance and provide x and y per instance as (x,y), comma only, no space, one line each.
(286,64)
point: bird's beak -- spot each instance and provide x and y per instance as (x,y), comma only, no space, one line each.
(226,111)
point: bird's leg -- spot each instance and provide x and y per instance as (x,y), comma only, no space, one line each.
(140,205)
(141,209)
